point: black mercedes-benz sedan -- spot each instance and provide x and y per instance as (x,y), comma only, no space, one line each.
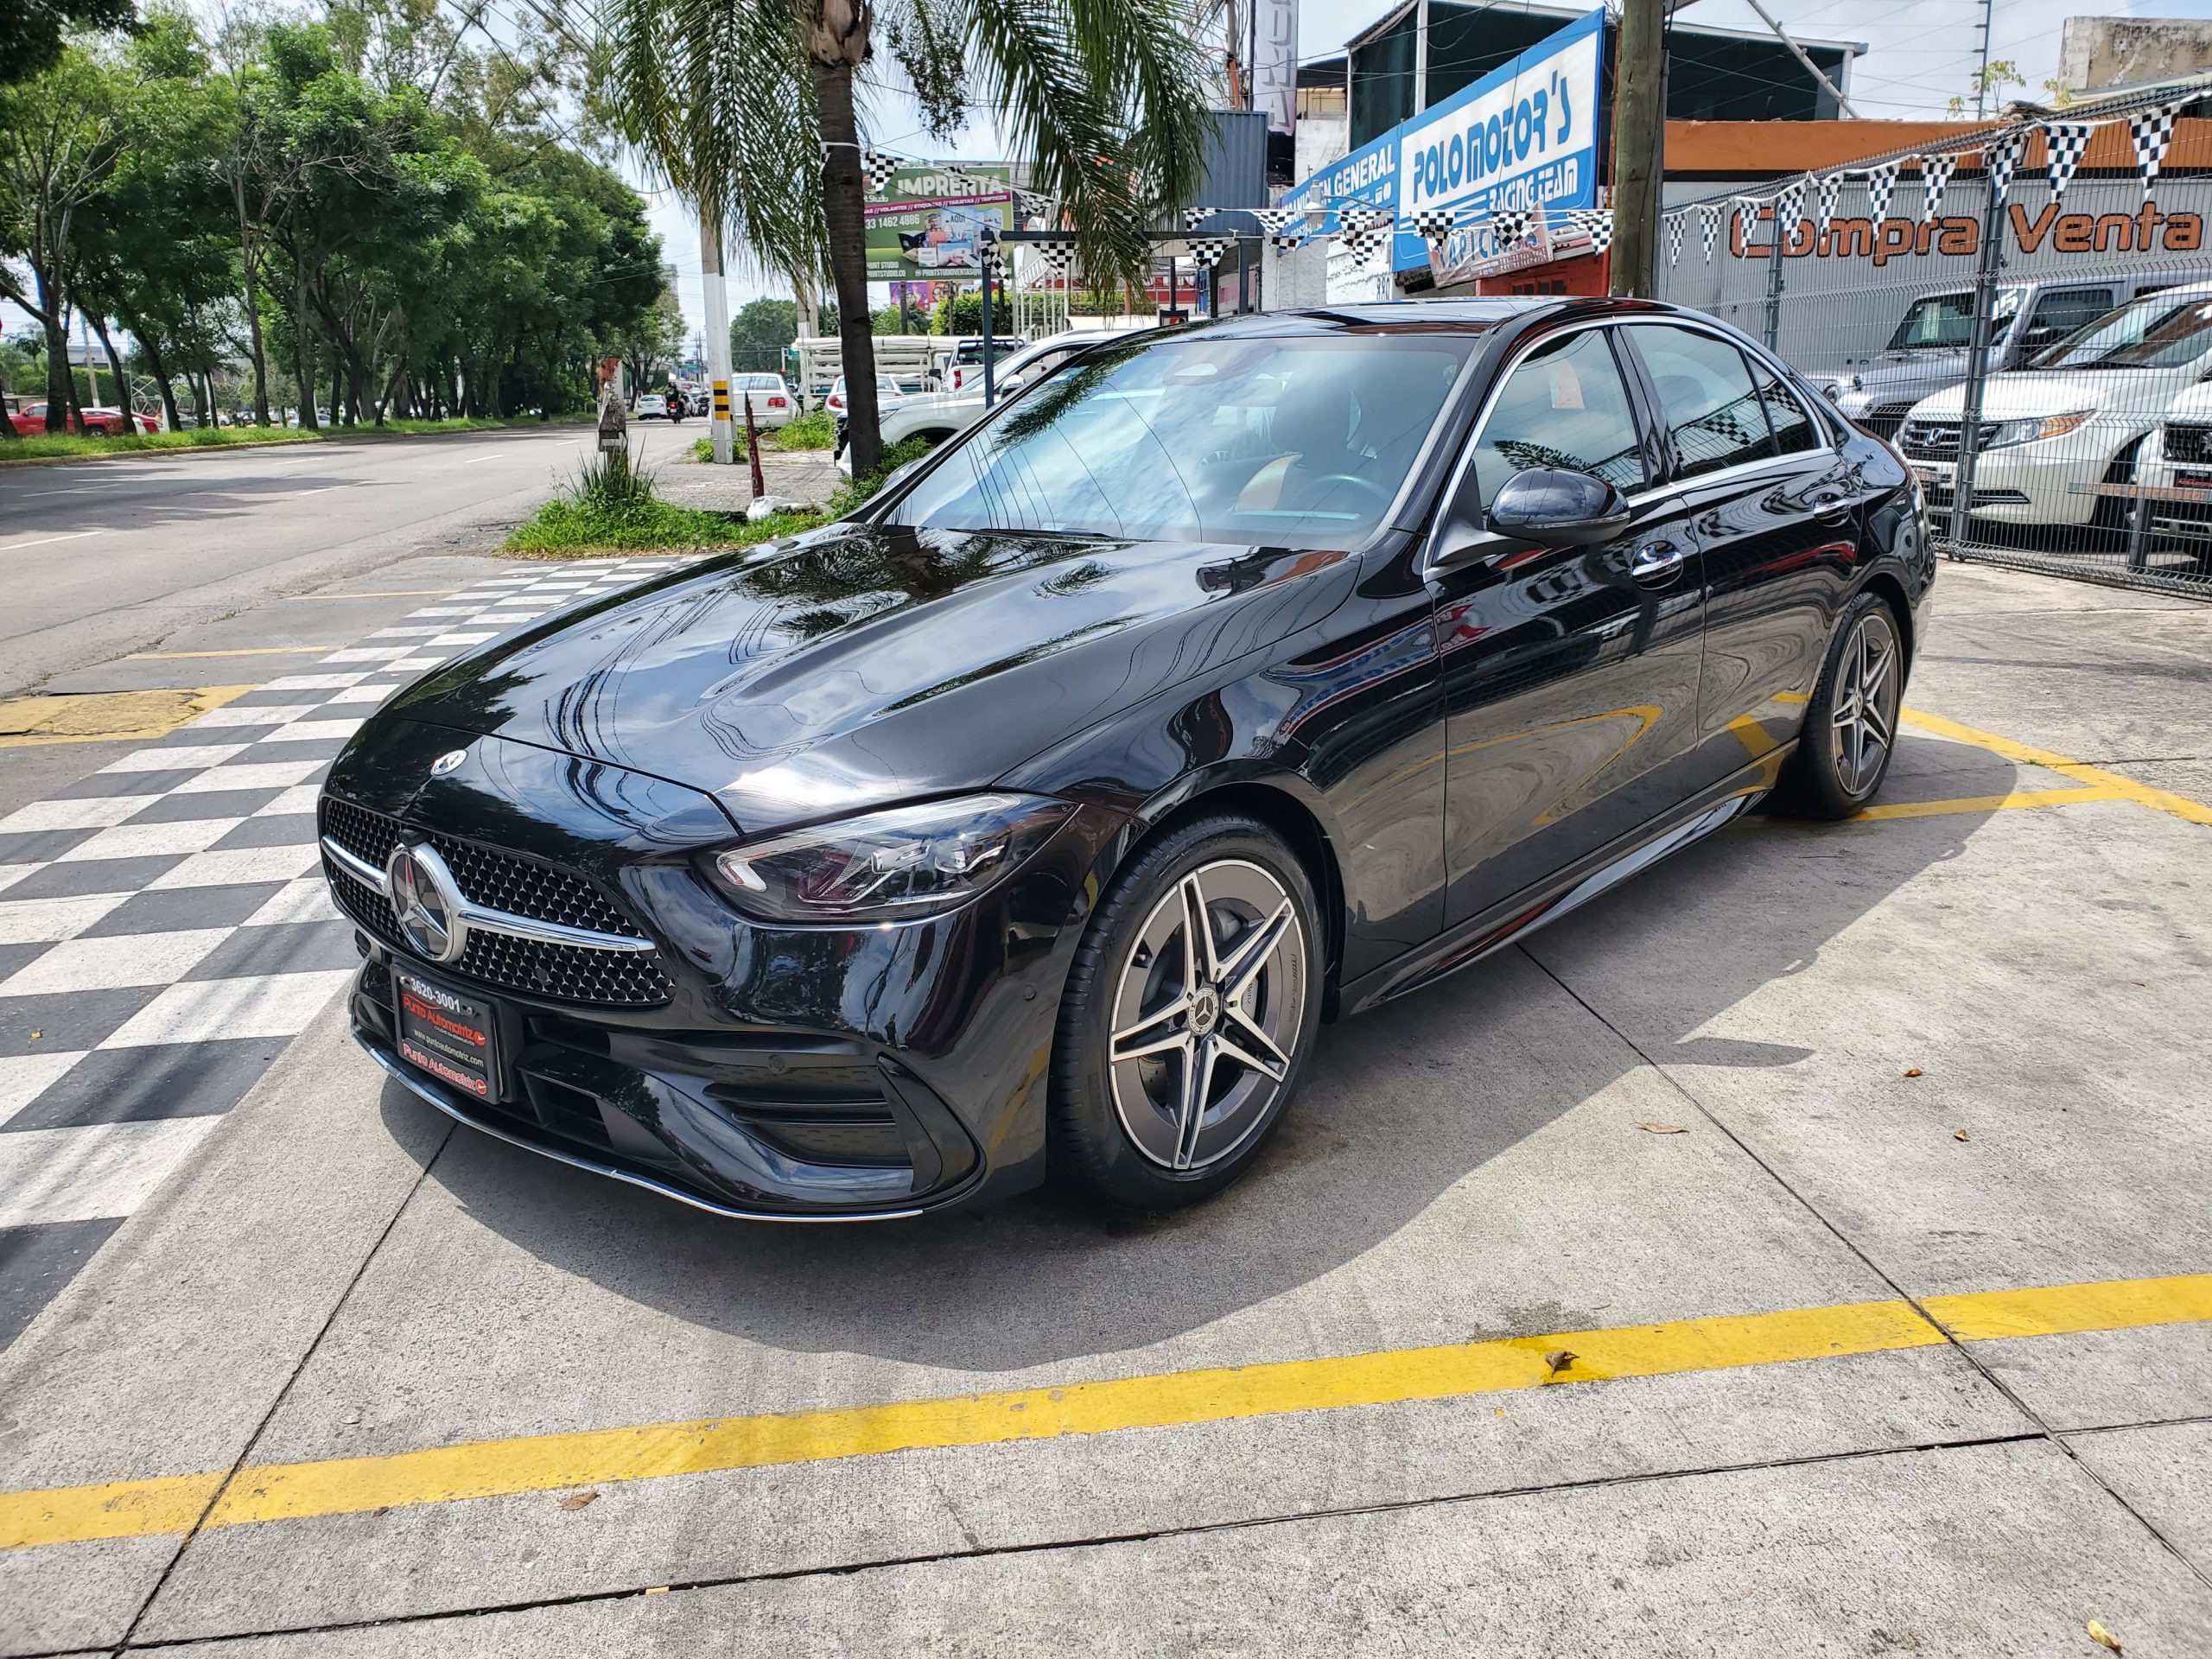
(1224,682)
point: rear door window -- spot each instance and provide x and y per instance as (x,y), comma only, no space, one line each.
(1714,414)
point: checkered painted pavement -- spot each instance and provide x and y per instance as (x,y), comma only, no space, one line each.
(165,929)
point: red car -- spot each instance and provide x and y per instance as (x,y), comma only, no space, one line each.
(30,420)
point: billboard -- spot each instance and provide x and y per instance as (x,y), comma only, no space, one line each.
(1525,135)
(931,222)
(1274,81)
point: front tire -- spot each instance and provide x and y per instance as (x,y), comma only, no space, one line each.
(1194,1002)
(1851,725)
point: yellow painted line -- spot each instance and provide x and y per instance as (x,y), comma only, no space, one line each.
(387,592)
(244,650)
(2179,806)
(538,1463)
(106,716)
(1987,803)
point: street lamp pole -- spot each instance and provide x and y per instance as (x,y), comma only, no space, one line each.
(710,268)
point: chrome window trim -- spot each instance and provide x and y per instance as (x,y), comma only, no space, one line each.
(482,918)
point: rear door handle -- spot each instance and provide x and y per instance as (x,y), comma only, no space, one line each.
(1656,560)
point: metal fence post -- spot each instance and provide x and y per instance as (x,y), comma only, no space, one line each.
(1777,246)
(1990,260)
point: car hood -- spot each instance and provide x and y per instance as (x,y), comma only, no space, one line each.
(2120,391)
(857,665)
(1901,370)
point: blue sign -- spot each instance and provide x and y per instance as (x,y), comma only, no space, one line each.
(1524,137)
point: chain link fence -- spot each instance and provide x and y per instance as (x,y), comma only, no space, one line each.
(2041,357)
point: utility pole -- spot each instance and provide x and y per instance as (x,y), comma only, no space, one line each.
(710,271)
(1981,81)
(1639,140)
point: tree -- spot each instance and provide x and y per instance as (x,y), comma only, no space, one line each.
(32,31)
(1101,97)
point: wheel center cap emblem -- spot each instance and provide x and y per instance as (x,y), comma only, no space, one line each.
(426,903)
(1205,1009)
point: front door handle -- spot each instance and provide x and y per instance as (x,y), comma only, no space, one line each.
(1656,560)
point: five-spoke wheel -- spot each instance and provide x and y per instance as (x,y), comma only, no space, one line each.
(1851,727)
(1193,999)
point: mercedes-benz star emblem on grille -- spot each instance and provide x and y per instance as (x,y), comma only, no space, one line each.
(427,903)
(446,762)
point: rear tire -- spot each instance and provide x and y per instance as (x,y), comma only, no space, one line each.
(1850,731)
(1171,1066)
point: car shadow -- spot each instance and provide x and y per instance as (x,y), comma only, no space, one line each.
(1400,1105)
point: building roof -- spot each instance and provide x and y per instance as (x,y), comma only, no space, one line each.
(1399,13)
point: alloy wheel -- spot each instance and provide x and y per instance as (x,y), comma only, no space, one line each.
(1863,719)
(1206,1013)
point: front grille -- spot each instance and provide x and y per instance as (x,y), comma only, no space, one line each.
(521,886)
(2188,443)
(1930,440)
(1884,422)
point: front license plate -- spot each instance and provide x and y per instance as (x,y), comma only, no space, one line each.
(2194,480)
(450,1036)
(1938,476)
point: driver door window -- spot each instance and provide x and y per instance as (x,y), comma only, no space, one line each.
(1563,407)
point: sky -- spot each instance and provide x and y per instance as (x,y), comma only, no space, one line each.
(1920,54)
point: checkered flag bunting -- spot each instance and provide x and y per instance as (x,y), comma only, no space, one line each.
(1747,214)
(878,167)
(1431,223)
(1278,221)
(1032,205)
(1362,233)
(1194,217)
(1676,224)
(2002,158)
(1935,177)
(1597,223)
(1058,257)
(1711,215)
(1206,251)
(2064,144)
(1507,229)
(1825,193)
(2152,131)
(1789,208)
(1881,183)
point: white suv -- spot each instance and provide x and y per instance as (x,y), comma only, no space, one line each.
(2053,433)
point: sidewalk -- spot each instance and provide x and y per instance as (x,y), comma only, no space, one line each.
(807,476)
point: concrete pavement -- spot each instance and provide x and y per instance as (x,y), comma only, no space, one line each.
(357,1382)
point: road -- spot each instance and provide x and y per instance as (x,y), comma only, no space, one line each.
(105,557)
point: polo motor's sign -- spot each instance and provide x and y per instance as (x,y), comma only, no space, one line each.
(1522,137)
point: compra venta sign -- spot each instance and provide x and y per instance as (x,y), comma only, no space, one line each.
(2048,230)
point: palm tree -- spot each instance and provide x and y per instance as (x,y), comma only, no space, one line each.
(750,106)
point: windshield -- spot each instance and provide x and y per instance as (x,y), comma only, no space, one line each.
(1945,322)
(2155,332)
(1294,442)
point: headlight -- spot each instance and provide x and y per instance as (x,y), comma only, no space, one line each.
(910,861)
(2000,433)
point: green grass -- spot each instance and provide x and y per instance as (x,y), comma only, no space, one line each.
(611,508)
(816,430)
(47,446)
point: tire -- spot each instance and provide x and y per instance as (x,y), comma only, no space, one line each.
(1123,1128)
(1844,752)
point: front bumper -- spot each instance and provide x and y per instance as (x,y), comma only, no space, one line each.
(2031,483)
(817,1073)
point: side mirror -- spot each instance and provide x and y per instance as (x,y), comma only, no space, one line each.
(1555,508)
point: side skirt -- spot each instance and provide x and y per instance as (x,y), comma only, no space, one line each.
(1570,888)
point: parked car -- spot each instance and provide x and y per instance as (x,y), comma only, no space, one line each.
(767,395)
(1927,352)
(1034,817)
(938,416)
(2076,419)
(97,421)
(962,368)
(888,396)
(2175,471)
